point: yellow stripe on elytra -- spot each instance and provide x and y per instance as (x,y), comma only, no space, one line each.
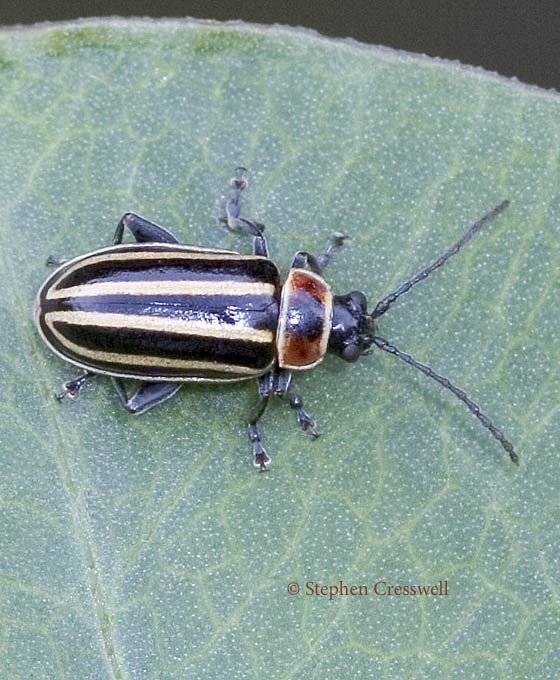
(161,324)
(154,288)
(146,360)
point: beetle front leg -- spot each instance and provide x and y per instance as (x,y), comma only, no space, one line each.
(305,421)
(148,395)
(277,383)
(143,230)
(304,260)
(285,388)
(234,222)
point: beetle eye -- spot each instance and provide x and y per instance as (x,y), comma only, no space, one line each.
(351,352)
(357,301)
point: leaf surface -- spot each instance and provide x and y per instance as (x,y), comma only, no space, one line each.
(149,547)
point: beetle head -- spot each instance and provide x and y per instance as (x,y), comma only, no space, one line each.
(352,327)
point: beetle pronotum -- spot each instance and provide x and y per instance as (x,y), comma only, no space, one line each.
(167,314)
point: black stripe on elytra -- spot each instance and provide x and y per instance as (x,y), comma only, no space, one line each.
(180,269)
(168,345)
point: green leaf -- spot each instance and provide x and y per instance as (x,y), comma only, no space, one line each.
(149,547)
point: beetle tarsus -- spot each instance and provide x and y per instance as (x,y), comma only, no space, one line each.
(240,181)
(336,242)
(54,261)
(232,220)
(307,424)
(242,225)
(71,388)
(277,383)
(316,263)
(261,459)
(305,421)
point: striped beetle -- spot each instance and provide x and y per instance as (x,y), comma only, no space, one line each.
(167,314)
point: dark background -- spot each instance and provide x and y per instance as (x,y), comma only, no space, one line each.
(513,37)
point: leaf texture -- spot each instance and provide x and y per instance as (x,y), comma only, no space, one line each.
(149,547)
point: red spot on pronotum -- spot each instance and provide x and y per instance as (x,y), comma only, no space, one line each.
(303,308)
(304,282)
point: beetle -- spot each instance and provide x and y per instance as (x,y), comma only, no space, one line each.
(168,314)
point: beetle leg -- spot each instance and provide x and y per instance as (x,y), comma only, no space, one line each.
(277,383)
(261,459)
(143,230)
(148,395)
(304,260)
(305,421)
(72,387)
(234,222)
(285,388)
(260,246)
(54,261)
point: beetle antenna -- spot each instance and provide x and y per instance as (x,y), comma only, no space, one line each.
(471,405)
(384,304)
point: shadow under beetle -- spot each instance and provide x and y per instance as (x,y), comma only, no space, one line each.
(166,314)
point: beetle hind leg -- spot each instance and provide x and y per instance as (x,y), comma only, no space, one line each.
(148,395)
(143,230)
(71,388)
